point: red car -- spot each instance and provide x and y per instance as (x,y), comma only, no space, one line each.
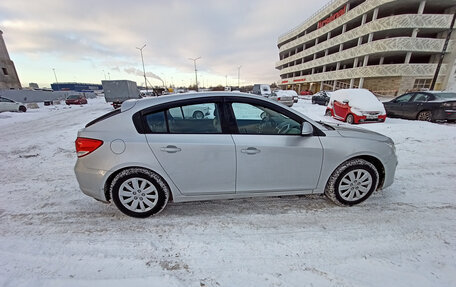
(306,93)
(76,100)
(355,106)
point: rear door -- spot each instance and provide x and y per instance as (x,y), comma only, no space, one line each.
(271,154)
(193,151)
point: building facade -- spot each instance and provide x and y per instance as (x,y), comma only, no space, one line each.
(386,46)
(8,74)
(78,87)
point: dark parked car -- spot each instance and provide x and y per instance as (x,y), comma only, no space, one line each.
(321,98)
(423,106)
(76,100)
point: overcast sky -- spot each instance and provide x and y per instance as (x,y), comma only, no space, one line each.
(86,41)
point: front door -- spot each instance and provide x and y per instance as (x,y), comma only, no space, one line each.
(271,153)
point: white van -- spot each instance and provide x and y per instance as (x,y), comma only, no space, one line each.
(262,90)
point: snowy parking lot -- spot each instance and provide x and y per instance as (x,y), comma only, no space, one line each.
(51,234)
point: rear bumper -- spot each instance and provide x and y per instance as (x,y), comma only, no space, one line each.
(287,103)
(91,181)
(446,114)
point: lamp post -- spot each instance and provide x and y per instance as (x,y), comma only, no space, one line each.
(55,76)
(239,76)
(144,69)
(196,73)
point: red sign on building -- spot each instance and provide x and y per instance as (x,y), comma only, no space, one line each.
(332,17)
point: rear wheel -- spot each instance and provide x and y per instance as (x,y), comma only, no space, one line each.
(352,182)
(350,119)
(139,192)
(425,116)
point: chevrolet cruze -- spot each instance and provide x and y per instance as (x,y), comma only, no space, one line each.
(154,150)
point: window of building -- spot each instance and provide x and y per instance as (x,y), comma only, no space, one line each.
(422,84)
(5,71)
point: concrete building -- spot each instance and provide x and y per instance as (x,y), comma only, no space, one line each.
(387,46)
(8,74)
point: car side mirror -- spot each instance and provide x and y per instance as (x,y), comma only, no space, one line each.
(307,129)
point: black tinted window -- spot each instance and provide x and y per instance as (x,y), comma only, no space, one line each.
(156,122)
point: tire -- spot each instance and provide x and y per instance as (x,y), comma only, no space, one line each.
(425,116)
(350,119)
(352,182)
(313,102)
(328,113)
(138,192)
(198,115)
(22,109)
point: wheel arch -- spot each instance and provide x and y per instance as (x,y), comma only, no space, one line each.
(378,165)
(111,177)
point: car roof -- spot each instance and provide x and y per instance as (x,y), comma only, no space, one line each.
(139,104)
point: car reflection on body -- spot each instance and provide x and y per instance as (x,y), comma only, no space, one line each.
(424,106)
(152,151)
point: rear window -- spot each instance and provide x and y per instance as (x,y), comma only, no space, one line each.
(103,117)
(73,97)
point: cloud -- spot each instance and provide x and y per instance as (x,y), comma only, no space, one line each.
(225,34)
(137,72)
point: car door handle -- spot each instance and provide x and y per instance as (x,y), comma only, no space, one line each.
(250,150)
(170,149)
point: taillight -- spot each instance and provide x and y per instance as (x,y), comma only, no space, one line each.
(278,98)
(84,146)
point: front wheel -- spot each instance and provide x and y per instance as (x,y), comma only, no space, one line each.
(352,182)
(22,109)
(328,113)
(350,119)
(139,192)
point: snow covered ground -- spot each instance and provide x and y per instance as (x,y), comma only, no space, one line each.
(53,235)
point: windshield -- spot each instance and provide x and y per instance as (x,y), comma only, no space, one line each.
(446,95)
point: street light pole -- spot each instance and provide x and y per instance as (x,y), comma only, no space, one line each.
(196,73)
(239,76)
(57,81)
(144,69)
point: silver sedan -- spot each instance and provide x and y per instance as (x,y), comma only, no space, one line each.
(152,151)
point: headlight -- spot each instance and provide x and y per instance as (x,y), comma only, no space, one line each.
(447,105)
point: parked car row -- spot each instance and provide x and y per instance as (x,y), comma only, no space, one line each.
(360,105)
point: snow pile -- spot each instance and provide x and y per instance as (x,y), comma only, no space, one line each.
(360,99)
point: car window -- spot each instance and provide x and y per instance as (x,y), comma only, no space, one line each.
(194,119)
(421,98)
(156,122)
(403,98)
(6,100)
(255,119)
(186,119)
